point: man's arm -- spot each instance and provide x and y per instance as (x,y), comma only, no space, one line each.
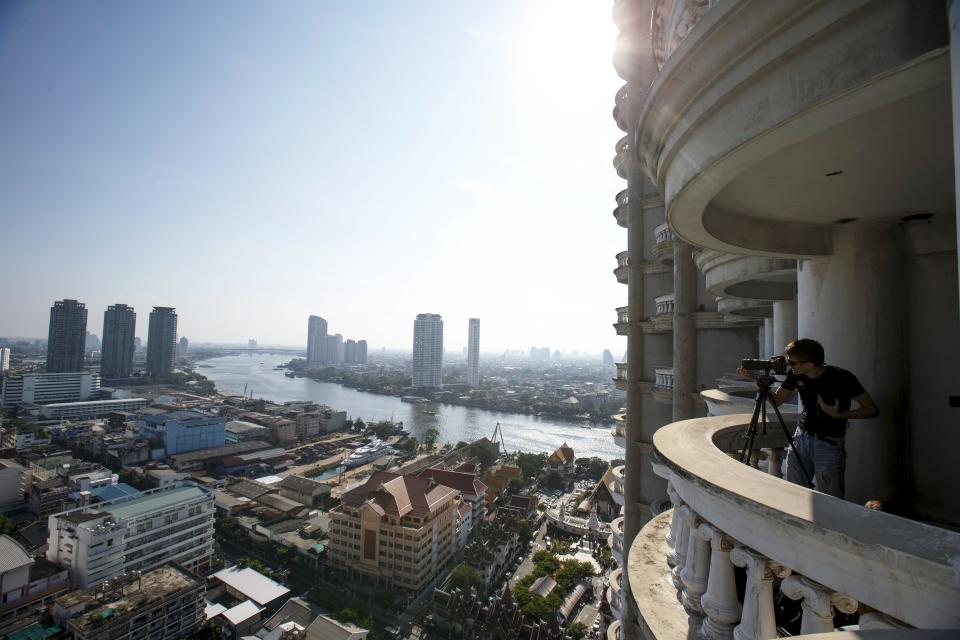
(866,408)
(778,397)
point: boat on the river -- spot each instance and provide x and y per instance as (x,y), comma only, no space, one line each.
(367,453)
(413,399)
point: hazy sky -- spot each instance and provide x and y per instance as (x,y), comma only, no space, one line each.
(251,163)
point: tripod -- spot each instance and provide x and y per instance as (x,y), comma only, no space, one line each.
(758,422)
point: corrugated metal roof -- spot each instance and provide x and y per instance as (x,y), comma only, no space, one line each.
(252,584)
(12,555)
(243,611)
(153,502)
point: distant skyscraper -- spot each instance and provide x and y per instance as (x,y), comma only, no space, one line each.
(473,352)
(116,357)
(162,341)
(67,336)
(183,347)
(92,342)
(607,358)
(4,358)
(137,343)
(251,344)
(362,352)
(316,340)
(428,350)
(334,349)
(350,351)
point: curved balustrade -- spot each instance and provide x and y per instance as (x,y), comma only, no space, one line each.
(618,487)
(613,631)
(830,554)
(619,432)
(616,540)
(664,304)
(663,377)
(616,593)
(623,262)
(620,382)
(663,244)
(621,161)
(621,211)
(623,321)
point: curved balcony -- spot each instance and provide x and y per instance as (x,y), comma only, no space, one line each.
(745,308)
(751,277)
(615,595)
(828,553)
(620,382)
(623,321)
(622,210)
(760,126)
(613,631)
(663,244)
(663,384)
(615,541)
(624,109)
(663,305)
(619,431)
(623,160)
(623,265)
(616,489)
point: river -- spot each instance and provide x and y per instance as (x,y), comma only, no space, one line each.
(455,423)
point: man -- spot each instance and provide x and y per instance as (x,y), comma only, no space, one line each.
(826,397)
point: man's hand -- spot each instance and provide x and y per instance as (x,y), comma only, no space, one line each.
(746,373)
(832,410)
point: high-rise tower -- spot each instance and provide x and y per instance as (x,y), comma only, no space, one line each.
(428,350)
(316,339)
(162,341)
(67,336)
(119,324)
(473,353)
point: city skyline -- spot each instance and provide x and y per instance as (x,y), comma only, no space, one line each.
(254,166)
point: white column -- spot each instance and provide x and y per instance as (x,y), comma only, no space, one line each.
(784,324)
(684,378)
(696,568)
(757,621)
(681,516)
(818,603)
(768,347)
(865,336)
(673,536)
(774,462)
(720,602)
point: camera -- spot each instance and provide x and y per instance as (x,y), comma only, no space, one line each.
(776,364)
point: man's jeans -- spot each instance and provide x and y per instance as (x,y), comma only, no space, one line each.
(825,460)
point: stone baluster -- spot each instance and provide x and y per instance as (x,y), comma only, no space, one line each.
(696,568)
(774,462)
(680,552)
(757,621)
(720,602)
(818,603)
(673,536)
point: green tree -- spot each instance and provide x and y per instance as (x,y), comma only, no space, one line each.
(577,631)
(429,438)
(531,464)
(464,576)
(359,424)
(486,451)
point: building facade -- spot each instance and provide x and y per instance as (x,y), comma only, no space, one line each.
(473,352)
(162,342)
(183,431)
(91,408)
(67,336)
(361,351)
(138,533)
(119,330)
(26,584)
(394,531)
(428,351)
(46,388)
(316,340)
(753,165)
(4,359)
(165,603)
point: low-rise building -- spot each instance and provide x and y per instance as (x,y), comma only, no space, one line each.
(57,482)
(472,492)
(135,533)
(308,424)
(159,604)
(45,388)
(26,584)
(562,461)
(395,531)
(326,628)
(244,583)
(182,431)
(304,490)
(241,431)
(12,477)
(90,408)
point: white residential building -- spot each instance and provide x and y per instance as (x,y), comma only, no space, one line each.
(473,353)
(44,388)
(4,358)
(11,483)
(136,533)
(428,350)
(91,408)
(316,340)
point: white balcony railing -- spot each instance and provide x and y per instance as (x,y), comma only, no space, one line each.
(616,593)
(622,371)
(831,554)
(616,540)
(664,304)
(663,377)
(663,234)
(617,489)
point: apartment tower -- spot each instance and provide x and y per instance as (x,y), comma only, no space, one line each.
(116,357)
(67,336)
(473,352)
(162,341)
(428,351)
(316,339)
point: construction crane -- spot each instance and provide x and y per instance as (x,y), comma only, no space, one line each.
(497,431)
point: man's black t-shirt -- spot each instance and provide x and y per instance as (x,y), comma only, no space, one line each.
(833,385)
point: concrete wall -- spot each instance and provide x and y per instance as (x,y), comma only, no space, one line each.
(719,351)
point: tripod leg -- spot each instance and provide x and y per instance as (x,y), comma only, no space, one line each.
(751,433)
(803,467)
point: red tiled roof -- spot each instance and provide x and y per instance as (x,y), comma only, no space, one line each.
(400,495)
(466,483)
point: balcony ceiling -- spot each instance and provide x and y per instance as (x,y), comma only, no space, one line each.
(895,161)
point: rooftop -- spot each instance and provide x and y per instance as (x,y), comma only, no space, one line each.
(219,452)
(399,495)
(326,628)
(133,508)
(12,555)
(251,583)
(242,612)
